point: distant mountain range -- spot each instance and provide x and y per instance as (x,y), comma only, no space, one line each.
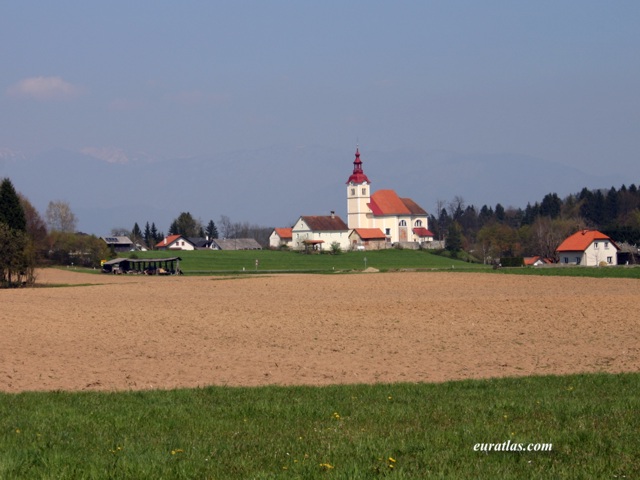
(274,186)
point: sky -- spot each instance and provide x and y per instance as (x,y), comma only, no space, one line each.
(160,80)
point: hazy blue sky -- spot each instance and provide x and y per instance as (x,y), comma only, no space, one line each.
(555,80)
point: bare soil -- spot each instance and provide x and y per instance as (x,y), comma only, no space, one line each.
(139,332)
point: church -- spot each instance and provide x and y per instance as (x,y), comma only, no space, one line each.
(374,221)
(401,220)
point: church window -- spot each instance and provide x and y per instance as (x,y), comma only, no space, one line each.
(364,191)
(418,223)
(403,223)
(353,191)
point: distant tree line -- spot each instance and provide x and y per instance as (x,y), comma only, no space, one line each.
(27,241)
(494,232)
(188,226)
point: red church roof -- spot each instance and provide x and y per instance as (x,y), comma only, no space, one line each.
(358,176)
(387,202)
(413,207)
(580,241)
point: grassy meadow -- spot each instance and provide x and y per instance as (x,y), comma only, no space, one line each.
(358,431)
(211,261)
(207,262)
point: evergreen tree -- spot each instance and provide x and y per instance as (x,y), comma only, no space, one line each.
(136,233)
(500,216)
(11,211)
(454,238)
(17,259)
(154,235)
(485,216)
(147,235)
(212,230)
(551,205)
(611,206)
(531,213)
(185,225)
(443,222)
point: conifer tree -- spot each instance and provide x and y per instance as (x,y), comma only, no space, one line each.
(11,211)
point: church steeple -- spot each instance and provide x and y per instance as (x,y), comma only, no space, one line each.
(358,196)
(357,177)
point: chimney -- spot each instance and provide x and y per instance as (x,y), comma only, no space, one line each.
(333,214)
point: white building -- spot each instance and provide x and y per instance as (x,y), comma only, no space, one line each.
(320,232)
(281,237)
(401,219)
(588,247)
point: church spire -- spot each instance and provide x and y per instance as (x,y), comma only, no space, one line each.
(358,176)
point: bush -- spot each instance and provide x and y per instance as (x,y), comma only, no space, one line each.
(512,261)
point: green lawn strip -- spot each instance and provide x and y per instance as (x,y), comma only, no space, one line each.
(359,431)
(209,261)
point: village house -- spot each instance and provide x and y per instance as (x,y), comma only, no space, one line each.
(180,242)
(536,261)
(118,243)
(588,247)
(368,239)
(281,237)
(320,233)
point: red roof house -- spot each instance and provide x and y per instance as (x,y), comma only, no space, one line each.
(281,237)
(588,247)
(367,239)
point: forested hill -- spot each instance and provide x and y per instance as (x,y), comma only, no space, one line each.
(539,228)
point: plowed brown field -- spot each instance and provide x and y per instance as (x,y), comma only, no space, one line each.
(138,332)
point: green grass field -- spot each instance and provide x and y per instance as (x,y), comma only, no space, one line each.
(360,431)
(205,262)
(208,261)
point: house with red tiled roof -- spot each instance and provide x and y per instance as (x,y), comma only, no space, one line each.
(588,247)
(367,239)
(180,242)
(536,261)
(281,237)
(320,232)
(401,220)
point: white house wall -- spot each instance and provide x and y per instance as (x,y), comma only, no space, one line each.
(595,253)
(275,241)
(181,245)
(302,232)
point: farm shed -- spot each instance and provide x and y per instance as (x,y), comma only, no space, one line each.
(148,266)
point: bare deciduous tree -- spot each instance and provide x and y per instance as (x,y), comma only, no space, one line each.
(60,217)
